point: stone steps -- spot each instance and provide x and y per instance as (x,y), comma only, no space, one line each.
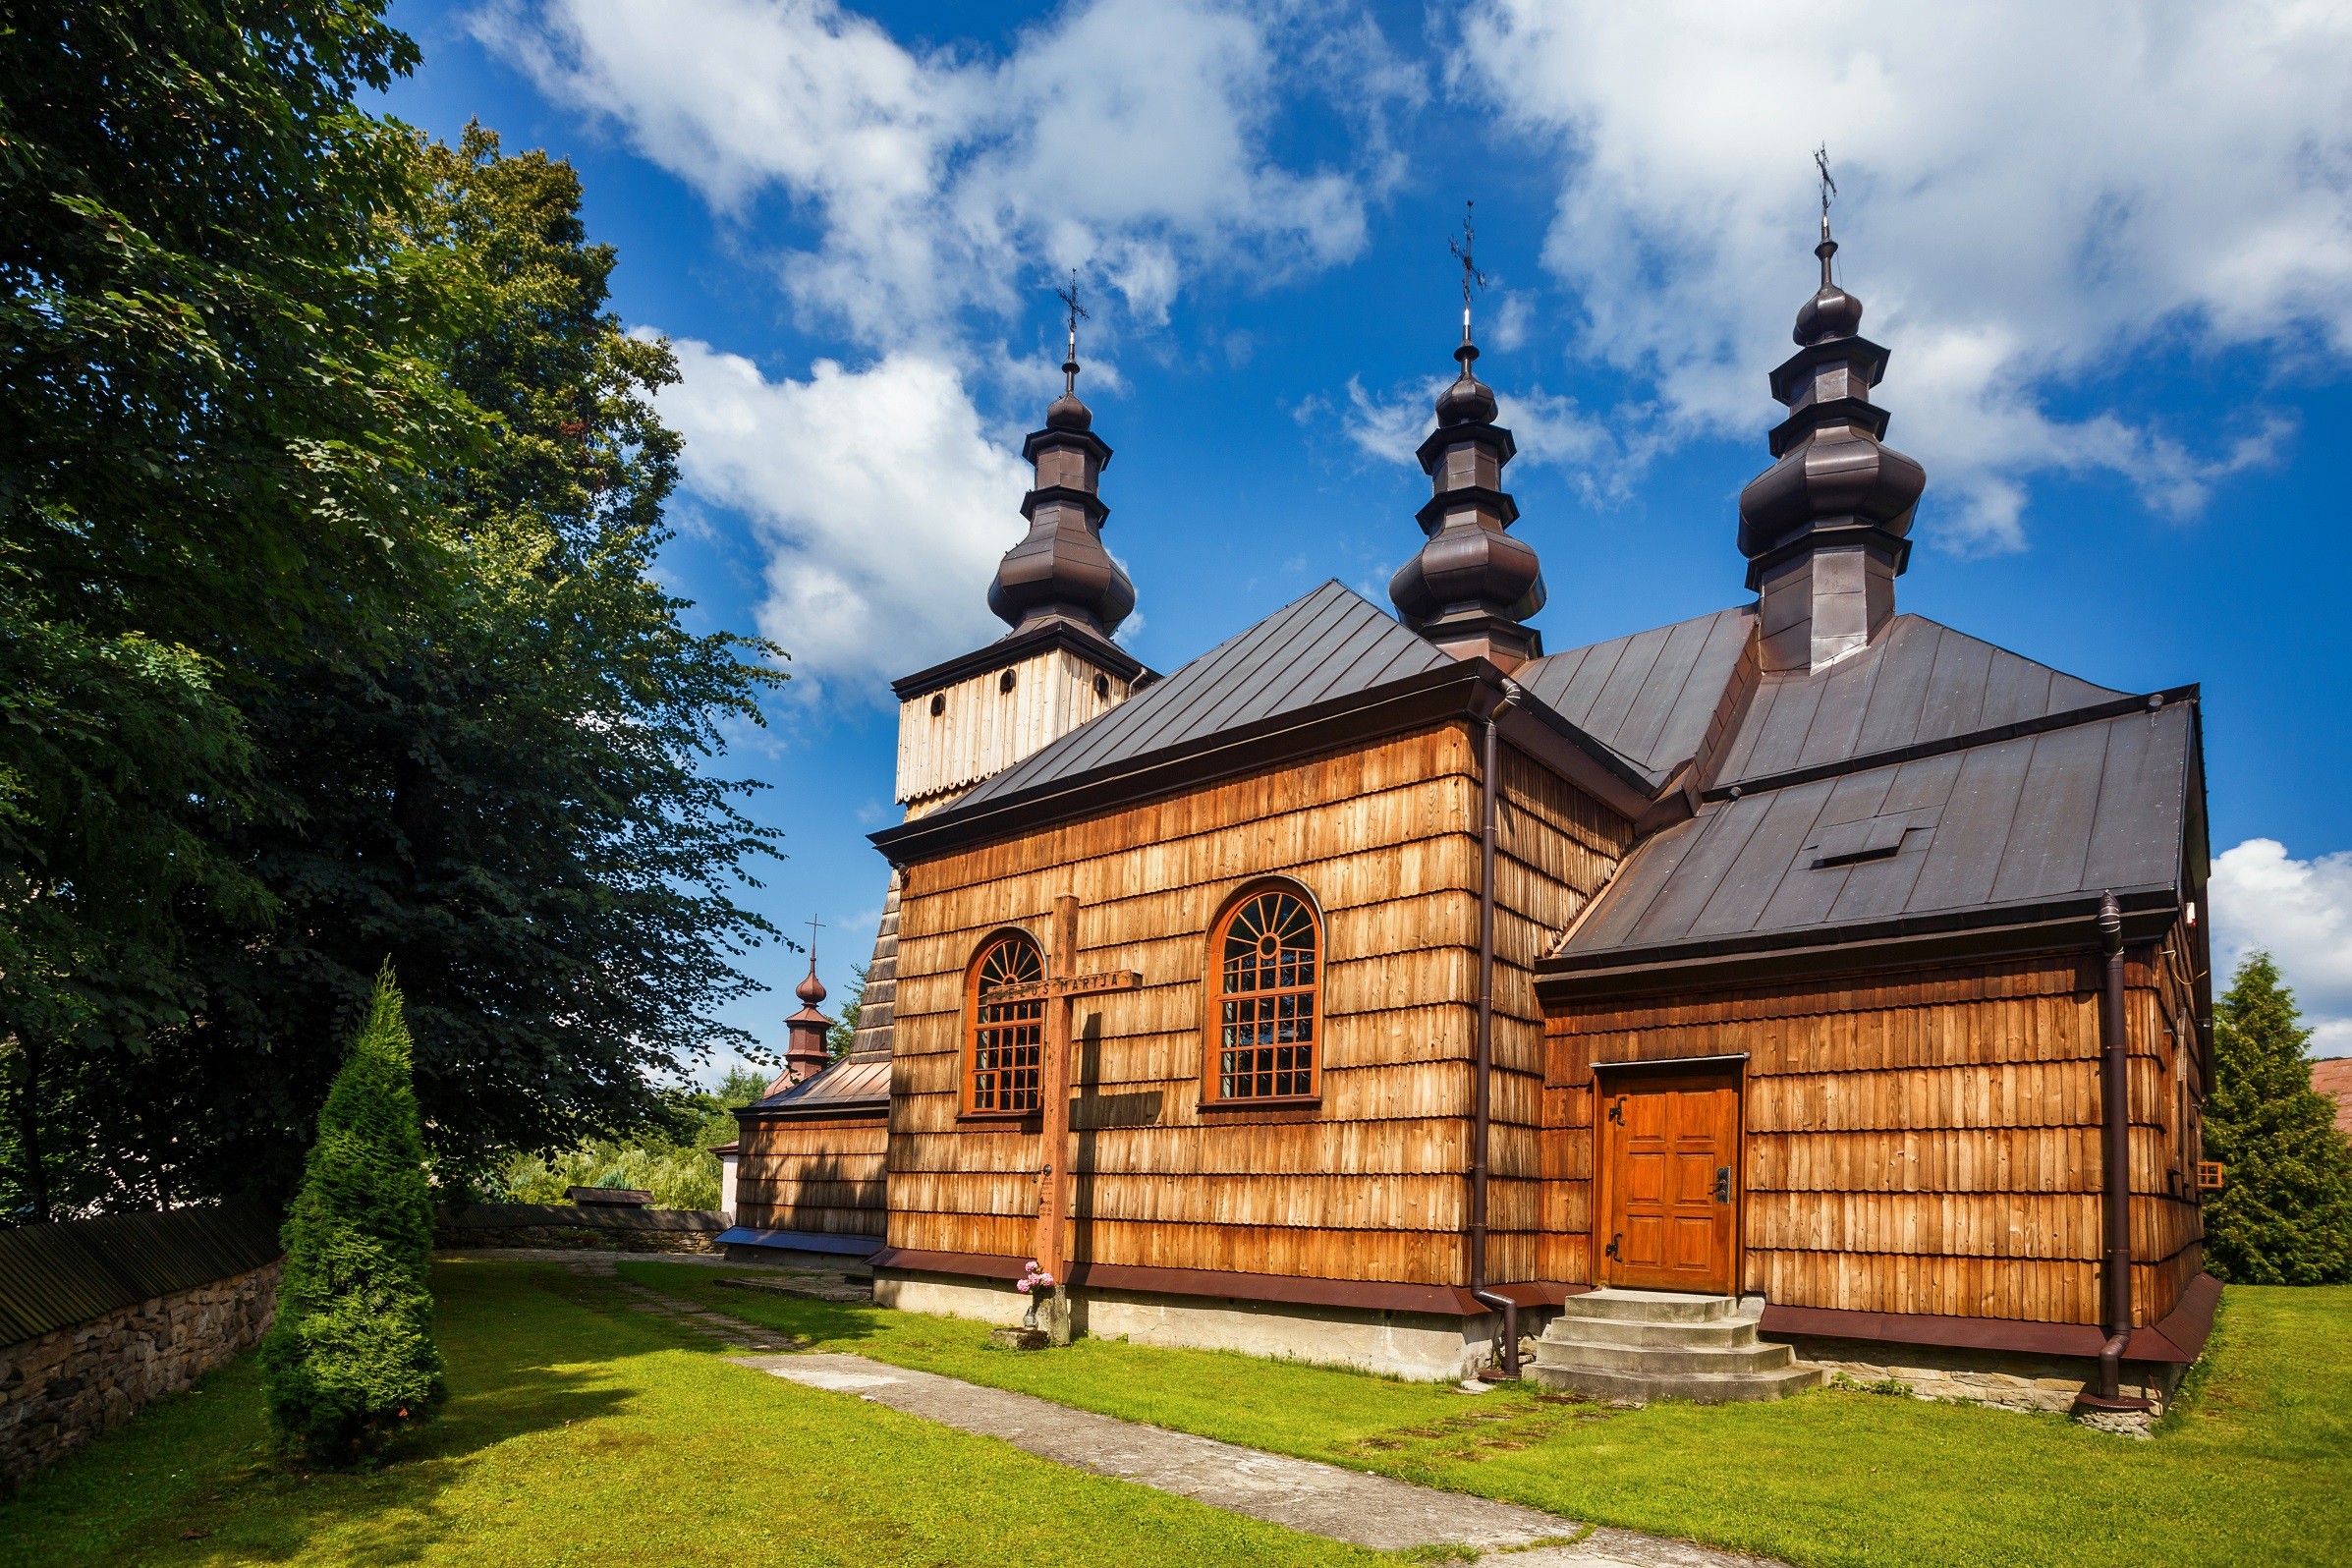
(1644,1345)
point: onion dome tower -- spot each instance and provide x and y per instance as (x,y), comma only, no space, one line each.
(1062,571)
(1472,586)
(1825,527)
(805,1053)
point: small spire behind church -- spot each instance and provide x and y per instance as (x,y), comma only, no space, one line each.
(806,1054)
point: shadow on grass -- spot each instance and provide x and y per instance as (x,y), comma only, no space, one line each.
(193,1479)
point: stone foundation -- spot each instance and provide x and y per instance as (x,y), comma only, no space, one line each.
(1983,1376)
(1423,1347)
(65,1387)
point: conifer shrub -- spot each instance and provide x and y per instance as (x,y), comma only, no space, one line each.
(351,1358)
(2284,1213)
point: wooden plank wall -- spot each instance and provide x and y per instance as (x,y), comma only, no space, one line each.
(1926,1142)
(1371,1184)
(2167,1218)
(825,1176)
(1554,848)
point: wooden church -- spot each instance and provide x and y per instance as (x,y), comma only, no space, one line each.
(1808,985)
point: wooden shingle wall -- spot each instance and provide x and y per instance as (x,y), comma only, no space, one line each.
(1554,847)
(1369,1185)
(1925,1141)
(813,1175)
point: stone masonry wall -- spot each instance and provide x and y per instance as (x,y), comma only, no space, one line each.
(62,1389)
(1980,1376)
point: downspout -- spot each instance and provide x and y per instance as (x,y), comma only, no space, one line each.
(1482,1085)
(2115,1197)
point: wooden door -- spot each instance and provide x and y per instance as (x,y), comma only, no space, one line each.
(1670,1163)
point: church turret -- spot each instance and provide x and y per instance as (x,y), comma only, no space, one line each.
(1826,529)
(1472,587)
(1062,571)
(978,713)
(805,1053)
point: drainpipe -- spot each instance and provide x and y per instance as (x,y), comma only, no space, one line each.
(1481,1088)
(2114,1096)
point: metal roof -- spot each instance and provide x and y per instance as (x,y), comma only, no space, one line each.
(2008,824)
(1916,682)
(1648,697)
(852,1086)
(55,1275)
(1332,643)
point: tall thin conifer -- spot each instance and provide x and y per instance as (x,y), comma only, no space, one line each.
(2284,1213)
(350,1356)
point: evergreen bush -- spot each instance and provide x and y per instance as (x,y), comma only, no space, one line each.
(2284,1213)
(350,1356)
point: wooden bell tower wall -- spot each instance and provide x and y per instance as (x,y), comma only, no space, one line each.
(824,1175)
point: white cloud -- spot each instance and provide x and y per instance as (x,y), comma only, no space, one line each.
(1545,429)
(880,502)
(2301,913)
(1123,136)
(2027,191)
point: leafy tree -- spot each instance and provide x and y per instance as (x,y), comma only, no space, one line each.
(676,1167)
(2284,1213)
(217,437)
(350,1356)
(844,1034)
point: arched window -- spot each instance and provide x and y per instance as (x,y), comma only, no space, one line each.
(1266,972)
(1007,1045)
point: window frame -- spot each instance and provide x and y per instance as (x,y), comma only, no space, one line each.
(968,1046)
(1214,996)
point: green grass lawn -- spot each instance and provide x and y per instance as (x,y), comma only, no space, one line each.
(2255,1468)
(581,1432)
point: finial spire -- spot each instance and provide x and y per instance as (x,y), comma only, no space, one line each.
(1077,313)
(806,1056)
(1828,247)
(1464,252)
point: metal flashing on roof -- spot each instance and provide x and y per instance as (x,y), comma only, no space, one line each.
(1014,646)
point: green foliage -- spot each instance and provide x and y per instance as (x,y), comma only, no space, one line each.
(672,1159)
(350,1356)
(844,1033)
(2284,1213)
(217,431)
(330,494)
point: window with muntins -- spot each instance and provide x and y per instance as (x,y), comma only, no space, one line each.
(1008,1038)
(1267,956)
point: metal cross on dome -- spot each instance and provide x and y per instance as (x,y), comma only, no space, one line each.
(1462,250)
(814,925)
(1077,313)
(1821,161)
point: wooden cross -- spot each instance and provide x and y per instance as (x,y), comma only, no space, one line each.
(1061,986)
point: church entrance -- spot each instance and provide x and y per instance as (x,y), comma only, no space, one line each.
(1670,1177)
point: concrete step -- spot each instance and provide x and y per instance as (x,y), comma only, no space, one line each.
(1738,1361)
(1699,1388)
(1729,1334)
(1651,1306)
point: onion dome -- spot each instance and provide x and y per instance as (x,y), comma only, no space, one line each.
(1825,527)
(806,1054)
(1472,586)
(1062,571)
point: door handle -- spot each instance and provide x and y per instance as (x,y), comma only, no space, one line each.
(1611,1248)
(1722,1184)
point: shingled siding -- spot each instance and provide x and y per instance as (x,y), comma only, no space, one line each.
(1925,1141)
(1385,837)
(824,1175)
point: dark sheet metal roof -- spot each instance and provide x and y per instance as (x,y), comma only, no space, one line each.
(1916,682)
(2012,824)
(55,1275)
(853,1086)
(1648,697)
(1332,643)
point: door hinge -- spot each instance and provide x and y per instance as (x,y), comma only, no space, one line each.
(1611,1248)
(1617,1111)
(1722,1184)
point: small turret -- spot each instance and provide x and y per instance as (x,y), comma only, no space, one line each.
(806,1056)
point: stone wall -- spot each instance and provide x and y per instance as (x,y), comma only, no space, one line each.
(577,1238)
(1979,1377)
(61,1389)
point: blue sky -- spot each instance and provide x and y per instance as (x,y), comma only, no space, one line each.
(2109,250)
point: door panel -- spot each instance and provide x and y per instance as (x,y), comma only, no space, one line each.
(1671,1159)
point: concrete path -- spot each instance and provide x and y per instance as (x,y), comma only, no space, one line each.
(1320,1500)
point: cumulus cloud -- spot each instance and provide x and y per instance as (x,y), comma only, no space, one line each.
(2027,191)
(879,500)
(2301,913)
(1544,427)
(1124,137)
